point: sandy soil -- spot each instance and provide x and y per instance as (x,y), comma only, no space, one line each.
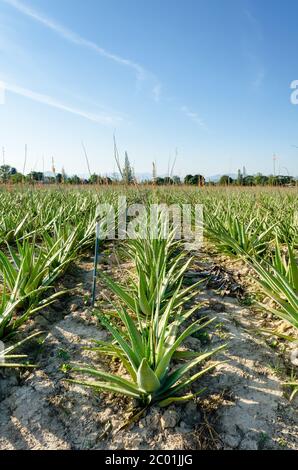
(245,406)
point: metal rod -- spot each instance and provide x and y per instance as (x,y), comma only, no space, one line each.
(95,263)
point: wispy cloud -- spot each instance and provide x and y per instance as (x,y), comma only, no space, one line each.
(49,101)
(254,23)
(193,116)
(69,35)
(156,91)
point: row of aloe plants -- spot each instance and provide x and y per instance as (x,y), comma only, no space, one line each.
(41,233)
(148,327)
(30,269)
(34,253)
(274,262)
(268,244)
(259,225)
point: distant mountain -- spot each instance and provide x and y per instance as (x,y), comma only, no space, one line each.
(216,178)
(143,176)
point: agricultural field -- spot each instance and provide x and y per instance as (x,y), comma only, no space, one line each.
(167,346)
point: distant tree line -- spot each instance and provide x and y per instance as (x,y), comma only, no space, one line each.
(226,180)
(258,180)
(10,174)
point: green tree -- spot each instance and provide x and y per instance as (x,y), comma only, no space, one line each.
(160,181)
(35,176)
(272,180)
(188,179)
(6,171)
(249,180)
(59,178)
(167,180)
(199,180)
(194,179)
(93,179)
(226,180)
(16,178)
(74,180)
(284,180)
(259,179)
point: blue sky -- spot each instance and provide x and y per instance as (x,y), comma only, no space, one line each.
(208,77)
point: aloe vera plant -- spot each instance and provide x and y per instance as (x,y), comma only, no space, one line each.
(26,289)
(236,237)
(278,287)
(285,263)
(156,280)
(160,264)
(147,353)
(12,311)
(279,281)
(152,331)
(8,358)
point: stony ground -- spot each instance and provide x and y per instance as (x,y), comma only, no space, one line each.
(245,406)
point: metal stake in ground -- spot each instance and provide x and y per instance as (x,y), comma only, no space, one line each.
(95,263)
